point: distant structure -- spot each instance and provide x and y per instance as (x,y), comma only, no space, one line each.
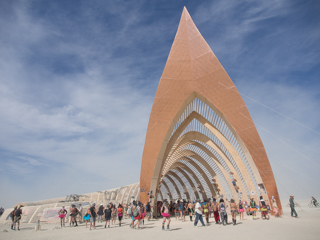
(201,141)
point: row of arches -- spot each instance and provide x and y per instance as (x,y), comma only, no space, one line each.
(204,159)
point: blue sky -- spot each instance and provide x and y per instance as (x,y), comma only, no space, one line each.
(78,80)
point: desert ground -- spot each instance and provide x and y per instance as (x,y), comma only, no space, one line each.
(286,227)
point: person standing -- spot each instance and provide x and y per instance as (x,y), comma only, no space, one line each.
(148,210)
(241,209)
(73,214)
(176,209)
(100,212)
(215,207)
(17,217)
(190,210)
(62,215)
(93,216)
(223,212)
(80,210)
(293,211)
(87,217)
(234,210)
(107,215)
(198,210)
(120,213)
(253,208)
(165,214)
(113,214)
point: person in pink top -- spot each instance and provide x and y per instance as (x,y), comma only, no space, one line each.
(165,214)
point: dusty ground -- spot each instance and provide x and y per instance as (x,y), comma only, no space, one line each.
(304,227)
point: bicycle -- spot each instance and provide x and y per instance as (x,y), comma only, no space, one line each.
(311,205)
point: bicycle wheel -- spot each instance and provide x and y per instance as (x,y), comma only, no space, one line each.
(310,205)
(317,204)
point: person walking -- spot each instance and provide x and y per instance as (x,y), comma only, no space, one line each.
(107,216)
(12,217)
(62,215)
(165,214)
(223,212)
(205,205)
(93,216)
(234,210)
(137,215)
(293,211)
(215,207)
(198,210)
(17,217)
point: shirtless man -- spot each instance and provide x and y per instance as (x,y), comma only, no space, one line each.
(215,207)
(190,210)
(166,215)
(73,214)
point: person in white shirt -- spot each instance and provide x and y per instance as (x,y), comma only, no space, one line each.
(199,212)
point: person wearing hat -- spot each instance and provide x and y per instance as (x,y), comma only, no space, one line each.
(198,210)
(93,216)
(293,211)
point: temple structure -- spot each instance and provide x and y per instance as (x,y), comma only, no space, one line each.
(201,141)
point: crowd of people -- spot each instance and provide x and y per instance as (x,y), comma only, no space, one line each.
(180,209)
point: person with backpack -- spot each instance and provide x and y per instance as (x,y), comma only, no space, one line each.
(93,216)
(205,206)
(223,212)
(62,215)
(234,210)
(12,217)
(17,217)
(137,215)
(198,210)
(100,212)
(165,214)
